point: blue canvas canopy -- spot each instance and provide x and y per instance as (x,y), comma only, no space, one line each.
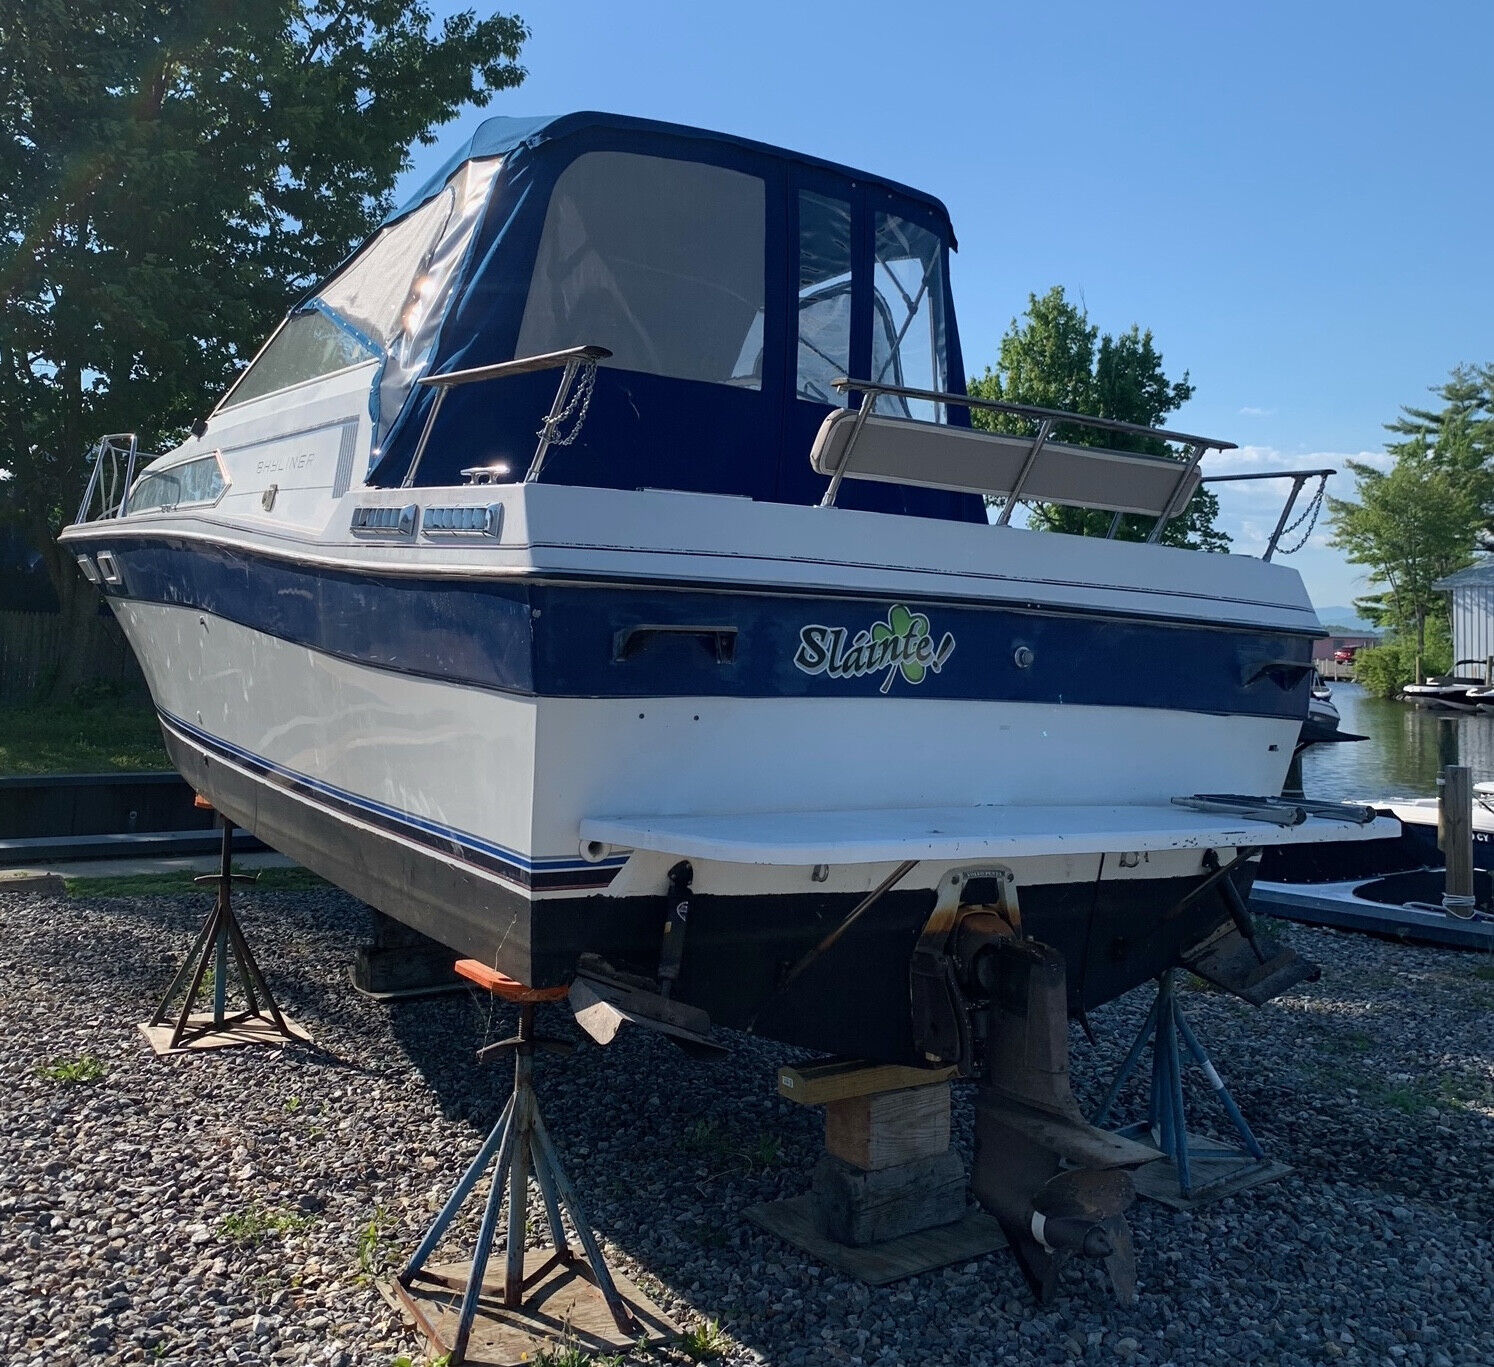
(731,280)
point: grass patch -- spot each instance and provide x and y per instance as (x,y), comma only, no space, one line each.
(568,1355)
(183,880)
(72,1071)
(705,1341)
(1484,973)
(1353,1042)
(373,1245)
(718,1148)
(257,1223)
(101,735)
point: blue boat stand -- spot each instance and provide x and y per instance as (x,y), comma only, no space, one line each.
(523,1148)
(220,943)
(1166,1124)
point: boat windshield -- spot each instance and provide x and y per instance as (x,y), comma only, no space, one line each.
(386,303)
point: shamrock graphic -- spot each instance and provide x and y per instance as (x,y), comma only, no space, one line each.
(907,627)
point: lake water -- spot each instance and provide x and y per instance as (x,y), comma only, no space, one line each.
(1403,753)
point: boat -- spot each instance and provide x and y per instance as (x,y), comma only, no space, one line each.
(595,574)
(1323,724)
(1454,692)
(1392,887)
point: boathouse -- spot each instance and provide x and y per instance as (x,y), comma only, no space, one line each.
(1472,610)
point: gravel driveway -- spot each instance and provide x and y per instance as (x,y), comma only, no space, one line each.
(237,1206)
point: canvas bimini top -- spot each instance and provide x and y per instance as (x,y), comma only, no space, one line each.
(730,280)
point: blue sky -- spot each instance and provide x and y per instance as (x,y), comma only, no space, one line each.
(1297,199)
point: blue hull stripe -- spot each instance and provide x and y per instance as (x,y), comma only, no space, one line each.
(546,639)
(536,874)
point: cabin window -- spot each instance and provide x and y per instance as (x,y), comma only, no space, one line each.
(824,297)
(908,317)
(308,346)
(193,481)
(660,261)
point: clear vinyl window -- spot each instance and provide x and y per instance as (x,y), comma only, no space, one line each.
(387,303)
(908,316)
(660,261)
(824,352)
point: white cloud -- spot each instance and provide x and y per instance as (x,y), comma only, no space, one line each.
(1251,412)
(1248,510)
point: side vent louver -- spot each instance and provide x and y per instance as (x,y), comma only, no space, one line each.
(484,520)
(385,521)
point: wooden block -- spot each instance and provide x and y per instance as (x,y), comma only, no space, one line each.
(888,1128)
(972,1236)
(855,1207)
(814,1084)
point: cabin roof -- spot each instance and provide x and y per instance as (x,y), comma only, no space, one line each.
(501,135)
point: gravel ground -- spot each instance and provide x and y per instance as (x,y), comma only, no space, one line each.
(236,1206)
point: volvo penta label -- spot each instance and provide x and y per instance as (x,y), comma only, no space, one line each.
(901,644)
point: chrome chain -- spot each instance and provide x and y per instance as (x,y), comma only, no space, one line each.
(577,406)
(1310,515)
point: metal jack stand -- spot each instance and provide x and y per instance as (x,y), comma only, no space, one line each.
(220,943)
(1193,1169)
(558,1306)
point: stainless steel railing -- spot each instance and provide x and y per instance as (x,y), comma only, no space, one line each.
(116,452)
(1048,418)
(1309,514)
(573,361)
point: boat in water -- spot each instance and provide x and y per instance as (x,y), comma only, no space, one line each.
(1453,692)
(596,571)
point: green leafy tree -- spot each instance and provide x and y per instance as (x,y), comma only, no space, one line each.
(1054,357)
(1410,526)
(1384,670)
(174,174)
(1458,437)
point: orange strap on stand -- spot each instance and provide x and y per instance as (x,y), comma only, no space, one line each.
(501,985)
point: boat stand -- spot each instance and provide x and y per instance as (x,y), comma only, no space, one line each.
(543,1295)
(1193,1169)
(221,945)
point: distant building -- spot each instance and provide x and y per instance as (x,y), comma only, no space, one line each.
(1472,610)
(1324,647)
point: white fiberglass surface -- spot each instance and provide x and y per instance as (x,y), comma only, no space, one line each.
(660,261)
(665,756)
(524,773)
(454,757)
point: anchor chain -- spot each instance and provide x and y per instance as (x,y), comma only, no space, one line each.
(577,406)
(1309,515)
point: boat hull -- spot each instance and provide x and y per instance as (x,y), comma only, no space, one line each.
(431,732)
(1114,935)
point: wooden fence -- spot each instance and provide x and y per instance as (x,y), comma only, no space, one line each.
(31,646)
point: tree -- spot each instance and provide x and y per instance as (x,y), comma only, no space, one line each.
(1055,358)
(1411,526)
(176,173)
(1458,437)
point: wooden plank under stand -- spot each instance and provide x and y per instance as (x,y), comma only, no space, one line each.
(888,1198)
